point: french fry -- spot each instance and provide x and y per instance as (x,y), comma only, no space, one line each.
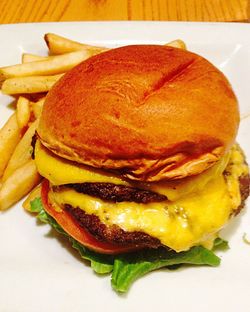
(28,58)
(33,84)
(10,135)
(50,66)
(22,152)
(22,112)
(60,45)
(37,107)
(35,193)
(20,183)
(177,44)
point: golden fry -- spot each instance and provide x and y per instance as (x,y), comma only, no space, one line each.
(10,135)
(50,66)
(22,152)
(20,183)
(37,107)
(27,58)
(33,84)
(177,44)
(22,112)
(35,193)
(60,45)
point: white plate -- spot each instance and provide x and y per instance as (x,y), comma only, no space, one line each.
(38,270)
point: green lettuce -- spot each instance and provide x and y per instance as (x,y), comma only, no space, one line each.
(100,263)
(126,268)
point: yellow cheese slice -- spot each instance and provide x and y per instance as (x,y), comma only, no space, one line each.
(60,171)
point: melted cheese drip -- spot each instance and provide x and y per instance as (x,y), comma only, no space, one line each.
(179,223)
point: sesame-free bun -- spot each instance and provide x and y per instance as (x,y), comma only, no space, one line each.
(150,112)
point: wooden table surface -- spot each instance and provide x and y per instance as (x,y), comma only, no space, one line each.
(16,11)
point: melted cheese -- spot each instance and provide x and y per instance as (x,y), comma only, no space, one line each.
(179,223)
(235,168)
(60,171)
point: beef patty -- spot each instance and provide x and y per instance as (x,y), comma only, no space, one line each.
(116,235)
(112,234)
(117,193)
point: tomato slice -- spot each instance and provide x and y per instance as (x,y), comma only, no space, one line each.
(70,226)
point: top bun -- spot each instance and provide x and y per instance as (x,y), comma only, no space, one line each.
(151,112)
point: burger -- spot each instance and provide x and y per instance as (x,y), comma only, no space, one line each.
(141,170)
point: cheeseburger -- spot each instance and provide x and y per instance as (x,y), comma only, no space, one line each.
(137,148)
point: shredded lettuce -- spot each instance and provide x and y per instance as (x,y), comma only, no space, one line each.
(126,268)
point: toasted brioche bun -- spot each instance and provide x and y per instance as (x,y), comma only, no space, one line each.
(150,112)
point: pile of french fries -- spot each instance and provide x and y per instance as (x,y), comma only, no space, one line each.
(29,82)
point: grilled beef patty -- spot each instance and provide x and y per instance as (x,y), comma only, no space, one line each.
(112,234)
(116,235)
(117,193)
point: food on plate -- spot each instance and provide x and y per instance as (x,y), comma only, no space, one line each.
(177,44)
(246,239)
(136,150)
(28,57)
(23,112)
(23,180)
(60,45)
(10,135)
(30,84)
(139,171)
(22,152)
(50,66)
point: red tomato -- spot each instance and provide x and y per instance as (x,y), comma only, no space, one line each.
(70,226)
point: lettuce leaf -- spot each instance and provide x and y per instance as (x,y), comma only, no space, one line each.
(126,268)
(101,264)
(220,244)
